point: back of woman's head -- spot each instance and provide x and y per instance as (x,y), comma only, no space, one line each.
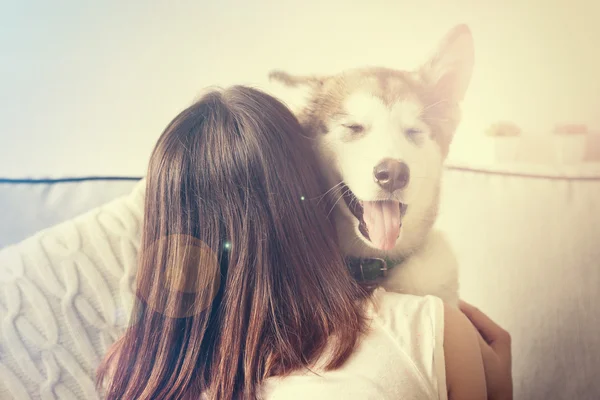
(240,276)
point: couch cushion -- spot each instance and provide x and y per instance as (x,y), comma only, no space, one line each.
(28,206)
(65,295)
(528,244)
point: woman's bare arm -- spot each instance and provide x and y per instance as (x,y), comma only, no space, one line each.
(465,375)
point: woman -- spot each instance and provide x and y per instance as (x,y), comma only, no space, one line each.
(243,292)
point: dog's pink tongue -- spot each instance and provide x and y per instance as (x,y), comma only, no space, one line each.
(383,222)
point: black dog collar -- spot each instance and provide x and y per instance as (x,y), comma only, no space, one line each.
(369,269)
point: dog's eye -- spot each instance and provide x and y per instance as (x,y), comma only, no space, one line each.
(355,128)
(412,131)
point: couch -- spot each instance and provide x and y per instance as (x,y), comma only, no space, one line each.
(527,239)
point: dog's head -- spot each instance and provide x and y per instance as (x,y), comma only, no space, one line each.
(382,136)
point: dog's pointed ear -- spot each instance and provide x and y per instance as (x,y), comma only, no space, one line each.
(290,80)
(449,70)
(296,91)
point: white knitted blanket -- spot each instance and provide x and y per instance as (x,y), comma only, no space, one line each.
(65,296)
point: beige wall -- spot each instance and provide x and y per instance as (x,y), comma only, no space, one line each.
(86,89)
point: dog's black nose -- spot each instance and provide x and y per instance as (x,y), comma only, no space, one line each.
(391,174)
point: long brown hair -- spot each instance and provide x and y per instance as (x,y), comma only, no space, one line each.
(240,277)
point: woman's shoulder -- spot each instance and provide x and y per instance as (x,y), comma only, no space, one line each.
(405,339)
(398,308)
(438,338)
(416,324)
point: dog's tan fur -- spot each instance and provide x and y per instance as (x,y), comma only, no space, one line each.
(435,84)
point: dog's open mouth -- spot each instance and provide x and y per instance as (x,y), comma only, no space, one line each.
(378,221)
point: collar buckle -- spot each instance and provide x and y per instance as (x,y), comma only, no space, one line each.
(372,268)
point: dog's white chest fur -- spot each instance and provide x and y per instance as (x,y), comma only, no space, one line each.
(432,269)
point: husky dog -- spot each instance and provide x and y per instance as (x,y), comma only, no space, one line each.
(382,136)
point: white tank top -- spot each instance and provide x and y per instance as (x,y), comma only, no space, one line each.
(400,357)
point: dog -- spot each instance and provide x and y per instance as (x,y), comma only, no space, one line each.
(382,136)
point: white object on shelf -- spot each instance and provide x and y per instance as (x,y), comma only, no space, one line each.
(506,148)
(569,149)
